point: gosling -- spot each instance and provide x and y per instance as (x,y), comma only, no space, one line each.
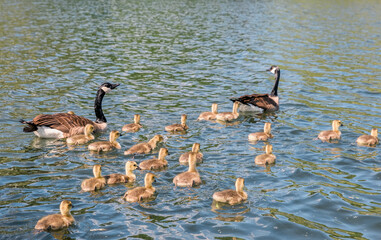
(231,196)
(331,134)
(141,193)
(133,127)
(190,178)
(229,116)
(178,127)
(104,146)
(368,140)
(209,115)
(123,178)
(155,163)
(267,158)
(261,136)
(83,138)
(184,158)
(95,183)
(144,148)
(57,221)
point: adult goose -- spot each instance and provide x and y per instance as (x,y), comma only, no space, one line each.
(266,102)
(63,125)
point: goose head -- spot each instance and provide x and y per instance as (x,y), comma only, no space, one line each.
(97,169)
(107,87)
(273,69)
(65,207)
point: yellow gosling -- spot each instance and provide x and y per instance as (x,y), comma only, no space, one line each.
(178,127)
(95,183)
(133,127)
(232,196)
(104,146)
(267,158)
(57,221)
(83,138)
(190,178)
(123,178)
(141,193)
(229,116)
(331,134)
(368,140)
(209,115)
(184,158)
(155,163)
(144,148)
(261,136)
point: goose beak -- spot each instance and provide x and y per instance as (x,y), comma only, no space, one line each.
(114,85)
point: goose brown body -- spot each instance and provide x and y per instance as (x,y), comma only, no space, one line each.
(184,158)
(133,127)
(267,158)
(155,163)
(123,178)
(261,136)
(144,148)
(232,196)
(178,127)
(104,146)
(190,178)
(57,221)
(209,115)
(369,140)
(229,116)
(328,135)
(141,193)
(95,183)
(82,138)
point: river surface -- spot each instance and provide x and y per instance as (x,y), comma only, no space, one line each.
(176,57)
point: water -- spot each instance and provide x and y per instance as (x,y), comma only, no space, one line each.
(175,57)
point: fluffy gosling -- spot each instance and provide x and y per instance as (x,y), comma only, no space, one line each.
(141,193)
(231,196)
(57,221)
(95,183)
(144,148)
(104,146)
(190,178)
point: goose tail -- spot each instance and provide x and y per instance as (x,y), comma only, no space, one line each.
(30,126)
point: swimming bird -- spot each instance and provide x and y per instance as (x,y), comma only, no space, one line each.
(133,127)
(184,158)
(57,221)
(144,148)
(232,196)
(82,138)
(261,136)
(178,127)
(267,158)
(63,125)
(123,178)
(209,115)
(104,146)
(369,140)
(190,178)
(229,116)
(331,134)
(266,102)
(155,163)
(95,183)
(141,193)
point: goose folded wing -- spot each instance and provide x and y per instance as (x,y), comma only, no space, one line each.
(63,122)
(263,101)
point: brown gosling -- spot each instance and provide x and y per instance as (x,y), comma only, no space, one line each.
(83,138)
(190,178)
(184,158)
(261,136)
(232,196)
(95,183)
(331,134)
(209,115)
(144,148)
(229,116)
(104,146)
(141,193)
(155,163)
(133,127)
(267,158)
(368,140)
(123,178)
(57,221)
(178,127)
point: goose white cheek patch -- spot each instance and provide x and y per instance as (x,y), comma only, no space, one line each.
(106,89)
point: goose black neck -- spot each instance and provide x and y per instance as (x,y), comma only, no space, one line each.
(98,106)
(274,92)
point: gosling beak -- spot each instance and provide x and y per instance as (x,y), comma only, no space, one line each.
(72,205)
(138,168)
(114,85)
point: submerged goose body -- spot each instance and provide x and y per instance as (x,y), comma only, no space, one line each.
(95,183)
(229,116)
(190,178)
(63,125)
(83,138)
(267,158)
(178,127)
(209,115)
(231,196)
(133,127)
(155,163)
(184,158)
(123,178)
(104,146)
(144,148)
(368,140)
(141,193)
(57,221)
(261,136)
(328,135)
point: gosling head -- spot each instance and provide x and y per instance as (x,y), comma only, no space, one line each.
(163,152)
(374,132)
(131,165)
(183,119)
(158,138)
(65,207)
(267,128)
(239,184)
(97,169)
(89,128)
(269,149)
(149,179)
(214,108)
(192,160)
(273,69)
(114,134)
(71,112)
(136,118)
(336,124)
(107,87)
(235,106)
(196,147)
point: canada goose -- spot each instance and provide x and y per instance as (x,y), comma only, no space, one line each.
(261,136)
(190,178)
(156,163)
(144,148)
(232,196)
(141,193)
(133,127)
(63,125)
(57,221)
(369,140)
(184,158)
(267,158)
(106,145)
(209,115)
(123,178)
(262,101)
(178,127)
(229,116)
(331,134)
(95,183)
(82,138)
